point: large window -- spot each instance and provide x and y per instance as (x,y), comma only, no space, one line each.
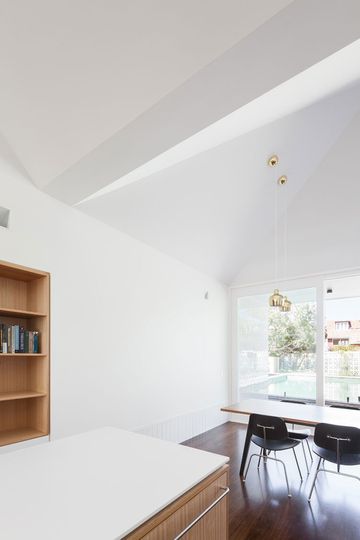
(311,353)
(252,339)
(342,325)
(277,351)
(342,341)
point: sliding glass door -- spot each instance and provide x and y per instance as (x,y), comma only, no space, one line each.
(276,351)
(342,340)
(252,345)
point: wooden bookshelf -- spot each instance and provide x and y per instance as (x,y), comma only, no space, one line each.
(25,377)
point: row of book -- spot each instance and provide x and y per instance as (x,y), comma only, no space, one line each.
(16,339)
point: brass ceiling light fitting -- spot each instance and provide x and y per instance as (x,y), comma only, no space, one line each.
(276,299)
(282,180)
(286,305)
(273,161)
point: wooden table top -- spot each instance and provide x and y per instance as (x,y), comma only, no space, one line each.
(307,415)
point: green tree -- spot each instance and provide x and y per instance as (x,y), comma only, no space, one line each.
(292,337)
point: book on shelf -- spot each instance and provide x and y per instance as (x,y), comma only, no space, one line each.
(16,339)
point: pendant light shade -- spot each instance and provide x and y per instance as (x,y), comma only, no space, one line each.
(286,304)
(276,299)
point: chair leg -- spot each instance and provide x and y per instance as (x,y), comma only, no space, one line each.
(331,472)
(297,463)
(248,465)
(315,477)
(306,463)
(310,453)
(273,459)
(286,476)
(260,456)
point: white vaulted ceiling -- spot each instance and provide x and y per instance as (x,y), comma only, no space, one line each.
(214,210)
(157,117)
(75,72)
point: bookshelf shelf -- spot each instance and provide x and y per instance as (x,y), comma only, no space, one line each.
(10,355)
(24,304)
(9,396)
(21,313)
(17,435)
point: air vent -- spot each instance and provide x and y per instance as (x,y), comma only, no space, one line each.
(4,217)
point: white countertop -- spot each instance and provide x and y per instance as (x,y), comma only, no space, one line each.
(99,485)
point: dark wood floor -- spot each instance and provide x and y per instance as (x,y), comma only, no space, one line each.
(260,508)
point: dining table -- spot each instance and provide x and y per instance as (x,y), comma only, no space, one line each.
(295,413)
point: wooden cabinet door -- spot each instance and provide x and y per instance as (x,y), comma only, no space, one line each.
(212,526)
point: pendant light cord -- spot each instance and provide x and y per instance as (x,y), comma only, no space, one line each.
(276,232)
(285,233)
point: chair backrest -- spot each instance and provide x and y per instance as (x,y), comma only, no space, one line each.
(272,428)
(293,401)
(341,439)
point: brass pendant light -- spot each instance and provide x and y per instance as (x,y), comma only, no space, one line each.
(286,305)
(277,300)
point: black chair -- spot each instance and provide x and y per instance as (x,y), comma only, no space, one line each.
(271,435)
(336,444)
(300,434)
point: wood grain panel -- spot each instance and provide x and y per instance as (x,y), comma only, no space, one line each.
(24,313)
(18,272)
(13,415)
(38,295)
(37,374)
(177,516)
(13,374)
(18,435)
(13,293)
(25,394)
(38,414)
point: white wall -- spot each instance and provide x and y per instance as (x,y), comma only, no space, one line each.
(134,342)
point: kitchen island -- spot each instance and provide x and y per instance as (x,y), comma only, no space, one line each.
(109,484)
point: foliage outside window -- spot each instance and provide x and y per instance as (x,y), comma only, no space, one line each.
(292,337)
